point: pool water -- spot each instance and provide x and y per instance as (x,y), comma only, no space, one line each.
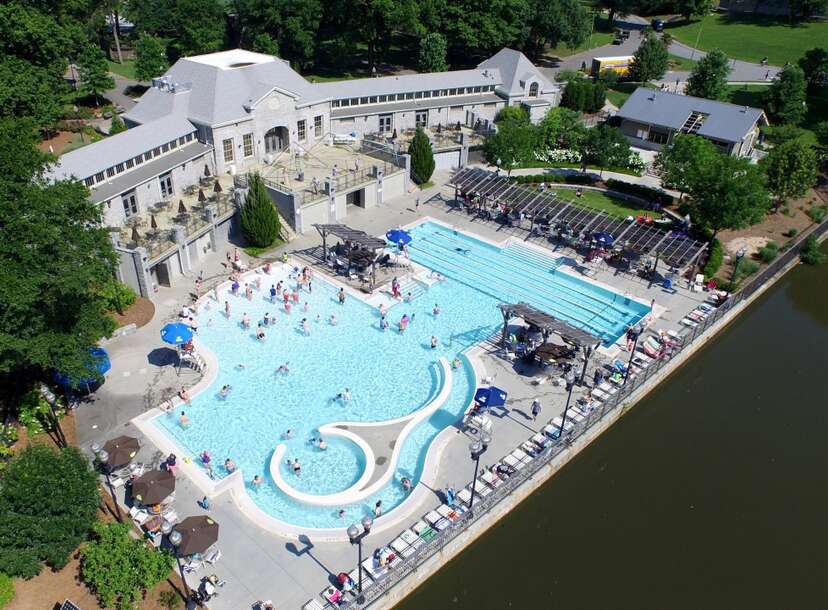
(388,374)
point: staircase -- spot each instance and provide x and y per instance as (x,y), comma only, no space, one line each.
(194,361)
(415,287)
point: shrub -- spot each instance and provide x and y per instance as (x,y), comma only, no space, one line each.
(811,253)
(259,220)
(769,252)
(516,114)
(779,134)
(169,599)
(639,190)
(817,213)
(584,95)
(422,157)
(727,285)
(49,501)
(116,295)
(715,257)
(585,179)
(746,267)
(792,232)
(565,76)
(6,590)
(119,568)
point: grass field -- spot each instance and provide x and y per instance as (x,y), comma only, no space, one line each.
(751,38)
(602,35)
(600,201)
(126,69)
(619,94)
(680,64)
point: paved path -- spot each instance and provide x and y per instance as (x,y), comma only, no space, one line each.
(117,96)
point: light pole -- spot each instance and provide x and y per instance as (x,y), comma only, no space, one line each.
(739,256)
(632,355)
(103,457)
(174,536)
(476,449)
(356,536)
(570,384)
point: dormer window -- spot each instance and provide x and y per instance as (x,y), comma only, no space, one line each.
(533,90)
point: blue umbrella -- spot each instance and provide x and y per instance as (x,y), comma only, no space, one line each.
(490,397)
(603,238)
(398,236)
(176,333)
(101,364)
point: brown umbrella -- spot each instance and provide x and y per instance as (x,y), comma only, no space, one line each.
(182,209)
(197,534)
(217,187)
(153,487)
(201,196)
(121,450)
(153,223)
(206,171)
(135,236)
(553,351)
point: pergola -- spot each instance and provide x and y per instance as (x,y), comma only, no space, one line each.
(352,236)
(545,208)
(548,324)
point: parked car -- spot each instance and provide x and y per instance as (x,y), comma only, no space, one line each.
(657,25)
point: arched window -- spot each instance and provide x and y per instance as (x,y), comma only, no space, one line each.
(533,90)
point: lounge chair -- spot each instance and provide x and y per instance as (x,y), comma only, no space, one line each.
(450,512)
(139,515)
(194,565)
(522,456)
(401,547)
(437,521)
(213,557)
(367,582)
(411,538)
(464,495)
(332,595)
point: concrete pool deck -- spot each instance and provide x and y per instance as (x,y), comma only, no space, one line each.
(260,565)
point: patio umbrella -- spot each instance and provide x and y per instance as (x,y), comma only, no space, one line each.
(176,333)
(490,397)
(100,364)
(397,236)
(206,171)
(153,487)
(121,450)
(201,196)
(197,534)
(553,351)
(182,209)
(135,235)
(604,238)
(217,187)
(153,223)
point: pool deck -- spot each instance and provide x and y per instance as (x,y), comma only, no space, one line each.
(260,565)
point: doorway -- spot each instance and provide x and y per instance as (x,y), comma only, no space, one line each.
(356,198)
(277,140)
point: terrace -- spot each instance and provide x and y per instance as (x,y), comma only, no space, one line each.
(441,137)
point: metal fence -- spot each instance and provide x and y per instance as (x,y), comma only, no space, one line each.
(482,506)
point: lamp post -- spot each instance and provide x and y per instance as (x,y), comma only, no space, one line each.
(632,355)
(570,385)
(739,256)
(103,457)
(356,536)
(174,536)
(476,449)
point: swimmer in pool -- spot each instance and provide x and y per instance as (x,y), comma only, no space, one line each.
(333,320)
(225,390)
(288,434)
(283,369)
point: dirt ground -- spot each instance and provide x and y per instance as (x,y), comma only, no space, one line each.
(60,141)
(139,313)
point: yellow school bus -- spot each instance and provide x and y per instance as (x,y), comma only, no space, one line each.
(620,65)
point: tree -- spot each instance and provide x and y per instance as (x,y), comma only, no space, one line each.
(150,57)
(263,43)
(709,76)
(433,53)
(791,169)
(512,114)
(48,500)
(200,27)
(649,60)
(93,72)
(605,146)
(728,193)
(814,65)
(560,128)
(27,90)
(693,8)
(119,569)
(260,223)
(289,28)
(821,131)
(422,157)
(513,144)
(54,255)
(618,8)
(785,98)
(554,22)
(805,9)
(117,125)
(679,163)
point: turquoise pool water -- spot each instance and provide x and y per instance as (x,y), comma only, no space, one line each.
(388,374)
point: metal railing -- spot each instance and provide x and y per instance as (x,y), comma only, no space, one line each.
(408,565)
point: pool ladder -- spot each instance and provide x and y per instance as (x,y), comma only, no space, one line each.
(415,287)
(194,361)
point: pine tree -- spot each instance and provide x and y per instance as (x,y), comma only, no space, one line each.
(709,76)
(260,223)
(422,157)
(785,99)
(94,73)
(433,53)
(117,125)
(649,61)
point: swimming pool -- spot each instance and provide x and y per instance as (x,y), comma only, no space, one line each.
(389,374)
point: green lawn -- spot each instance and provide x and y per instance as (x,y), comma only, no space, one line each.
(680,64)
(89,136)
(619,94)
(327,78)
(602,35)
(126,69)
(751,38)
(600,201)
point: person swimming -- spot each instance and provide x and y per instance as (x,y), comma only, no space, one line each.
(257,480)
(406,484)
(283,369)
(230,465)
(266,319)
(333,320)
(305,326)
(341,296)
(297,467)
(455,364)
(404,321)
(227,308)
(225,390)
(245,321)
(183,420)
(344,395)
(260,333)
(434,342)
(436,310)
(289,434)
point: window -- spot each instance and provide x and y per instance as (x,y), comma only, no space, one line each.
(317,126)
(437,93)
(421,118)
(335,104)
(418,95)
(190,137)
(300,130)
(409,96)
(89,181)
(247,140)
(130,203)
(165,147)
(147,156)
(156,151)
(227,147)
(383,98)
(139,159)
(386,123)
(657,137)
(363,100)
(533,90)
(110,171)
(174,144)
(119,168)
(130,163)
(452,91)
(354,101)
(182,139)
(165,181)
(373,99)
(99,177)
(426,93)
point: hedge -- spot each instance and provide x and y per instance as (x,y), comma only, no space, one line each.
(586,179)
(639,190)
(715,258)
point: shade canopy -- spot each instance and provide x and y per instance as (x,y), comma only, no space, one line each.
(490,397)
(99,366)
(121,450)
(604,238)
(398,236)
(153,487)
(182,209)
(206,171)
(197,534)
(153,222)
(217,187)
(135,235)
(176,333)
(201,196)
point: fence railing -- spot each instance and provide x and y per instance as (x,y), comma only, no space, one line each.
(482,506)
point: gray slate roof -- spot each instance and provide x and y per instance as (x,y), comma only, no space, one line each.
(412,105)
(727,122)
(86,161)
(515,69)
(406,82)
